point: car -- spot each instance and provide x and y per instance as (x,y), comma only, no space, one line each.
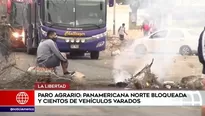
(172,40)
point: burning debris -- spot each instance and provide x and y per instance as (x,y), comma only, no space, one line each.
(145,79)
(171,85)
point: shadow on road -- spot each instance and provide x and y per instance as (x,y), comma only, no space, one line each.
(18,49)
(86,57)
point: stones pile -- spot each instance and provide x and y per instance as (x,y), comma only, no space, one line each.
(113,45)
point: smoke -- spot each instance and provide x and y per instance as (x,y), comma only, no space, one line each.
(170,13)
(121,62)
(163,61)
(164,13)
(133,58)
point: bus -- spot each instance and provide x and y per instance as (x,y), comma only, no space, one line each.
(16,35)
(79,24)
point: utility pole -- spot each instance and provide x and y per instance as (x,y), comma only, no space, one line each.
(114,23)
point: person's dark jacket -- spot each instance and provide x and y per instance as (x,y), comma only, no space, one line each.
(201,48)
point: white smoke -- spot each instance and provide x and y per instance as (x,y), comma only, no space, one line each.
(164,55)
(133,56)
(125,58)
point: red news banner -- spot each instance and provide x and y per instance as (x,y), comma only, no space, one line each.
(17,101)
(52,86)
(24,100)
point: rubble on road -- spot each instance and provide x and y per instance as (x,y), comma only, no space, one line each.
(23,81)
(145,79)
(78,79)
(116,52)
(113,45)
(171,85)
(40,70)
(27,79)
(192,82)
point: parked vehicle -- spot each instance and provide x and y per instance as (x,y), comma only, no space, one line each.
(172,40)
(15,19)
(80,25)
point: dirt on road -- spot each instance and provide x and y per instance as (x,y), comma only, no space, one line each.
(14,78)
(99,73)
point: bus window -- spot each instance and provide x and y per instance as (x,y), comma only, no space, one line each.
(90,13)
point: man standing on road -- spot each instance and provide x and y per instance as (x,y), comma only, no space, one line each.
(201,56)
(146,27)
(122,32)
(49,56)
(201,51)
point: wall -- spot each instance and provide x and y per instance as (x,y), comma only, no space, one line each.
(3,7)
(122,16)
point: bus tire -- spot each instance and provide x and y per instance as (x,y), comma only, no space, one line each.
(95,55)
(30,51)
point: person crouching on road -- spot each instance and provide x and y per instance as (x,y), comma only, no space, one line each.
(49,56)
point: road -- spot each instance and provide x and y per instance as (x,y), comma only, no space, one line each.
(93,69)
(99,70)
(96,70)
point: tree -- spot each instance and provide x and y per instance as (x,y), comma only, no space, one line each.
(134,5)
